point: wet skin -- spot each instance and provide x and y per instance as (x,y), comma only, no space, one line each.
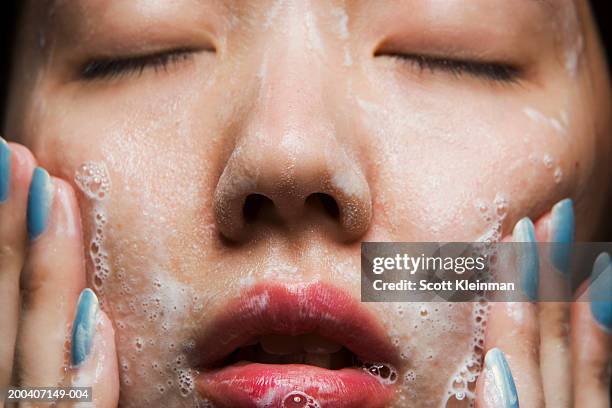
(291,99)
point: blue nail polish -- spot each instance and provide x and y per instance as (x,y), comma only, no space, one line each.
(600,291)
(561,232)
(5,170)
(499,384)
(529,262)
(84,326)
(39,202)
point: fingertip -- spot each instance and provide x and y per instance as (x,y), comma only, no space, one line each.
(67,218)
(16,166)
(55,237)
(498,388)
(542,227)
(84,327)
(23,155)
(528,257)
(23,162)
(5,170)
(600,291)
(64,187)
(562,223)
(52,207)
(99,368)
(40,199)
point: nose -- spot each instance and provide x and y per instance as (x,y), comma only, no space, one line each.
(271,184)
(292,166)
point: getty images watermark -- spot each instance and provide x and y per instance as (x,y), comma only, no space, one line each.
(474,271)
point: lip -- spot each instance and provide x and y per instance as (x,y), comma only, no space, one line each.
(294,310)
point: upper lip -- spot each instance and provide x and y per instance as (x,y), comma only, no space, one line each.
(294,310)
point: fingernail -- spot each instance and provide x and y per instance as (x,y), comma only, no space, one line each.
(529,263)
(5,170)
(84,326)
(499,388)
(561,231)
(39,202)
(600,290)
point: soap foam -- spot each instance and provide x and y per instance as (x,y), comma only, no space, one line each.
(462,383)
(143,303)
(385,373)
(93,180)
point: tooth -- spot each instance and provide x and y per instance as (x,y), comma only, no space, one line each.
(280,345)
(319,360)
(315,344)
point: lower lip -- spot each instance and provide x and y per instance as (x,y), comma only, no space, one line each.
(289,386)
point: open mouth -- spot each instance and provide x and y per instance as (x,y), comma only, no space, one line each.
(310,349)
(299,345)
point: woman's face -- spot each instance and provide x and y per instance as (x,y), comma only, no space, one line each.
(359,121)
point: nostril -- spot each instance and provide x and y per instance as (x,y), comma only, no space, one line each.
(253,206)
(326,202)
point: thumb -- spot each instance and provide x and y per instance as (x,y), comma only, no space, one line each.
(92,353)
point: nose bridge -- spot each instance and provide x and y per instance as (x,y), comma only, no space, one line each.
(291,94)
(289,124)
(286,148)
(292,73)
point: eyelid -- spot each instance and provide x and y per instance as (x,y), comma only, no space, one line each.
(492,70)
(112,67)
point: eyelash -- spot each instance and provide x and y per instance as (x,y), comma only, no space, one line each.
(498,72)
(109,68)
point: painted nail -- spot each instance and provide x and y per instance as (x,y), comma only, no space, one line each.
(600,291)
(39,202)
(562,232)
(84,326)
(499,388)
(529,262)
(5,170)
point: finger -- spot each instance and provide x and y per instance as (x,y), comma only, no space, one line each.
(591,333)
(93,355)
(52,279)
(555,355)
(16,164)
(495,387)
(513,327)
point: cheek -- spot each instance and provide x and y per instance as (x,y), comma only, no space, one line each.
(156,179)
(129,260)
(459,332)
(452,173)
(160,154)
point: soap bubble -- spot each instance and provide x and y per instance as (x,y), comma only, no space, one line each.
(385,373)
(298,399)
(93,180)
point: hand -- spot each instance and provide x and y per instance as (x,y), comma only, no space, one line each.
(552,354)
(53,331)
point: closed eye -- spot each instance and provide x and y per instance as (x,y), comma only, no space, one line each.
(110,67)
(494,71)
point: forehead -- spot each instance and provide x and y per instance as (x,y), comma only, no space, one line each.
(548,8)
